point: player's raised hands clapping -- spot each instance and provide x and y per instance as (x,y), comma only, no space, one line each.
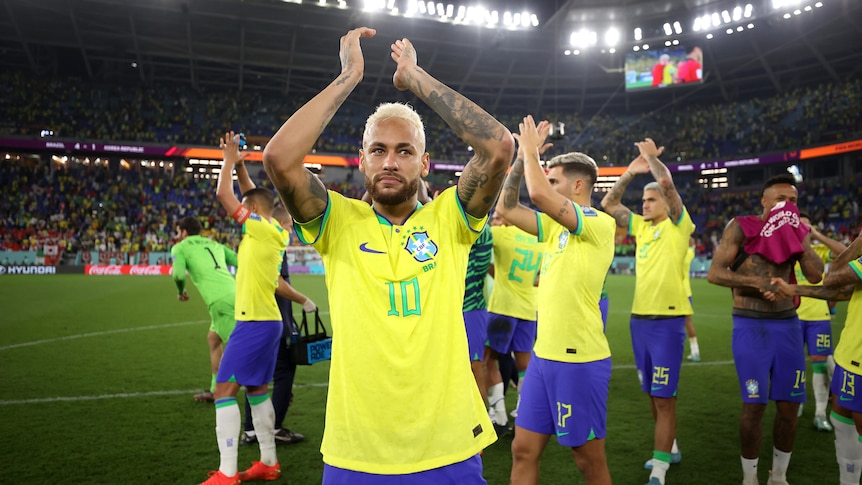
(542,130)
(351,52)
(647,148)
(404,54)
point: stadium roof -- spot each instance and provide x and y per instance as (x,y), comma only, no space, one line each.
(292,48)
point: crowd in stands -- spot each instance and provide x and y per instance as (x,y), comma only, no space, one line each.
(111,208)
(172,114)
(132,209)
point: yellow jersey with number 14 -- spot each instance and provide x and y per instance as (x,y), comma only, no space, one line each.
(402,397)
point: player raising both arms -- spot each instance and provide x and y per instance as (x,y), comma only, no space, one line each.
(395,273)
(565,390)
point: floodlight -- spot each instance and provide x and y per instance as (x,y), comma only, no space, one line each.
(612,36)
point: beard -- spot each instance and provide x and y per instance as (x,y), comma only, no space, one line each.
(410,188)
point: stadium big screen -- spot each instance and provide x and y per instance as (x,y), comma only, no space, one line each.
(662,68)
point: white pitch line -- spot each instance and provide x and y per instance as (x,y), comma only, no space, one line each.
(99,334)
(127,395)
(107,332)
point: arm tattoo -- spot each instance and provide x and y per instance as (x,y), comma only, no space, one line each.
(622,217)
(512,185)
(821,293)
(563,210)
(615,195)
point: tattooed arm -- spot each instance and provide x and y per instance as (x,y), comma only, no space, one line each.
(612,204)
(819,292)
(841,273)
(492,143)
(662,175)
(302,192)
(508,204)
(810,262)
(720,272)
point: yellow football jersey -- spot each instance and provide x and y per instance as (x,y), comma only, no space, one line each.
(574,268)
(517,259)
(258,267)
(661,250)
(402,397)
(848,353)
(813,309)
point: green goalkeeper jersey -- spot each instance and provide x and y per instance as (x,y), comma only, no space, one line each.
(207,263)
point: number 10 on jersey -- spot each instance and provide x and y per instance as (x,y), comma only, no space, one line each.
(404,295)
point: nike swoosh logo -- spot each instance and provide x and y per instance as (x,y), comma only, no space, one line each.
(560,435)
(795,394)
(841,398)
(655,388)
(364,247)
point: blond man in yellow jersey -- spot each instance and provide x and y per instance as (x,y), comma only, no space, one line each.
(660,302)
(395,275)
(565,389)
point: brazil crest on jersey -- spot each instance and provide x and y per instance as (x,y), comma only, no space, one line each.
(399,349)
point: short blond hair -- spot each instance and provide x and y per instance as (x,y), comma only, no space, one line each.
(402,111)
(576,163)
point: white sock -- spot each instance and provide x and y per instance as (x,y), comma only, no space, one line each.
(780,462)
(695,349)
(830,368)
(674,448)
(749,467)
(227,433)
(263,418)
(498,402)
(848,450)
(821,393)
(659,470)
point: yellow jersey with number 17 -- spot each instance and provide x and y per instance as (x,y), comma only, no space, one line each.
(574,267)
(661,250)
(402,397)
(258,263)
(848,353)
(517,258)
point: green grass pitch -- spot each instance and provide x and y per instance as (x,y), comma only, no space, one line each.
(98,374)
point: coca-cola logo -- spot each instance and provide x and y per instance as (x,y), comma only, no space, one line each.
(110,269)
(151,269)
(127,269)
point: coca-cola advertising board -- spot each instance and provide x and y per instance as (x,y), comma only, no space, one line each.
(127,269)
